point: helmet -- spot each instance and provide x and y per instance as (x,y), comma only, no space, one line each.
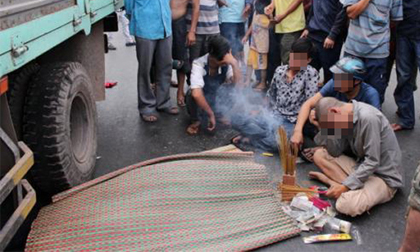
(350,65)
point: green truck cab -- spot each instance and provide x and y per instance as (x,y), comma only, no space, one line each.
(52,71)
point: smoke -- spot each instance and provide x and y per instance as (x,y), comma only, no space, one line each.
(249,113)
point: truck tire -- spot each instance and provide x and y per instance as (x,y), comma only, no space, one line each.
(60,125)
(18,87)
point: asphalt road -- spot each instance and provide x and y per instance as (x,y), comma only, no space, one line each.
(124,139)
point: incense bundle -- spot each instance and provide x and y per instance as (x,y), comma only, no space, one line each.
(288,154)
(290,191)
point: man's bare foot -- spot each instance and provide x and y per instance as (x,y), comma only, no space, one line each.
(194,128)
(397,127)
(239,139)
(321,177)
(149,118)
(308,153)
(260,87)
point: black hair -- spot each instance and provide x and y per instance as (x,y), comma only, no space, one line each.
(219,47)
(304,45)
(260,5)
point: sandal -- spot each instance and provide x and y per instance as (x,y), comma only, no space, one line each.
(169,111)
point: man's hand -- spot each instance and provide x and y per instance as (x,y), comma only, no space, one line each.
(305,34)
(246,12)
(336,190)
(269,9)
(297,139)
(191,38)
(212,122)
(245,39)
(228,59)
(279,18)
(329,43)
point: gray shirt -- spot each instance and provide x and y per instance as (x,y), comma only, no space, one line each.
(375,145)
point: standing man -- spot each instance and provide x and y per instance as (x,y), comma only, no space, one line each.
(183,39)
(153,44)
(232,24)
(207,26)
(326,23)
(290,22)
(408,54)
(369,36)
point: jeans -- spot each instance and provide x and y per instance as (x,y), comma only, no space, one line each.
(234,32)
(261,129)
(326,58)
(376,71)
(408,51)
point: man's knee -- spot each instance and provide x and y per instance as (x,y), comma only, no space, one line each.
(320,156)
(348,205)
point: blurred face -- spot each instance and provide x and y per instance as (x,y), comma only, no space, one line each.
(337,124)
(298,61)
(343,83)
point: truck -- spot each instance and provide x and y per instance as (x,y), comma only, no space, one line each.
(52,73)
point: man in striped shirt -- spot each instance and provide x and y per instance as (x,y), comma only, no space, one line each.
(369,36)
(207,27)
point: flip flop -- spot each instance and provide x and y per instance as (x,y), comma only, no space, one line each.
(169,111)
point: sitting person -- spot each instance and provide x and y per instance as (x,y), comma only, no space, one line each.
(209,73)
(346,85)
(363,131)
(292,85)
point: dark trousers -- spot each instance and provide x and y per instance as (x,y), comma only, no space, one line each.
(408,54)
(280,46)
(376,70)
(158,52)
(326,58)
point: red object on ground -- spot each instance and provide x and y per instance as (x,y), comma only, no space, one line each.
(110,84)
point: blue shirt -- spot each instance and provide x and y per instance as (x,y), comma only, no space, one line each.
(233,13)
(369,34)
(410,26)
(149,19)
(367,94)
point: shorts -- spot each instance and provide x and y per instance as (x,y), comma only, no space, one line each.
(234,32)
(414,198)
(355,202)
(256,60)
(179,42)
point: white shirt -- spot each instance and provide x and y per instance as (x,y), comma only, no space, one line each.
(198,72)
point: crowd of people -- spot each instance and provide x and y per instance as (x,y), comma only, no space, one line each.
(336,122)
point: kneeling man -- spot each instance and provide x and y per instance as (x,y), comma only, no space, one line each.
(373,175)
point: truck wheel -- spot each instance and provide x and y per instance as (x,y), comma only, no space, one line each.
(19,82)
(60,127)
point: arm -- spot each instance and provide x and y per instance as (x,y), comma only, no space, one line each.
(305,110)
(248,33)
(236,71)
(353,11)
(194,20)
(371,133)
(247,9)
(339,24)
(201,101)
(289,11)
(129,4)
